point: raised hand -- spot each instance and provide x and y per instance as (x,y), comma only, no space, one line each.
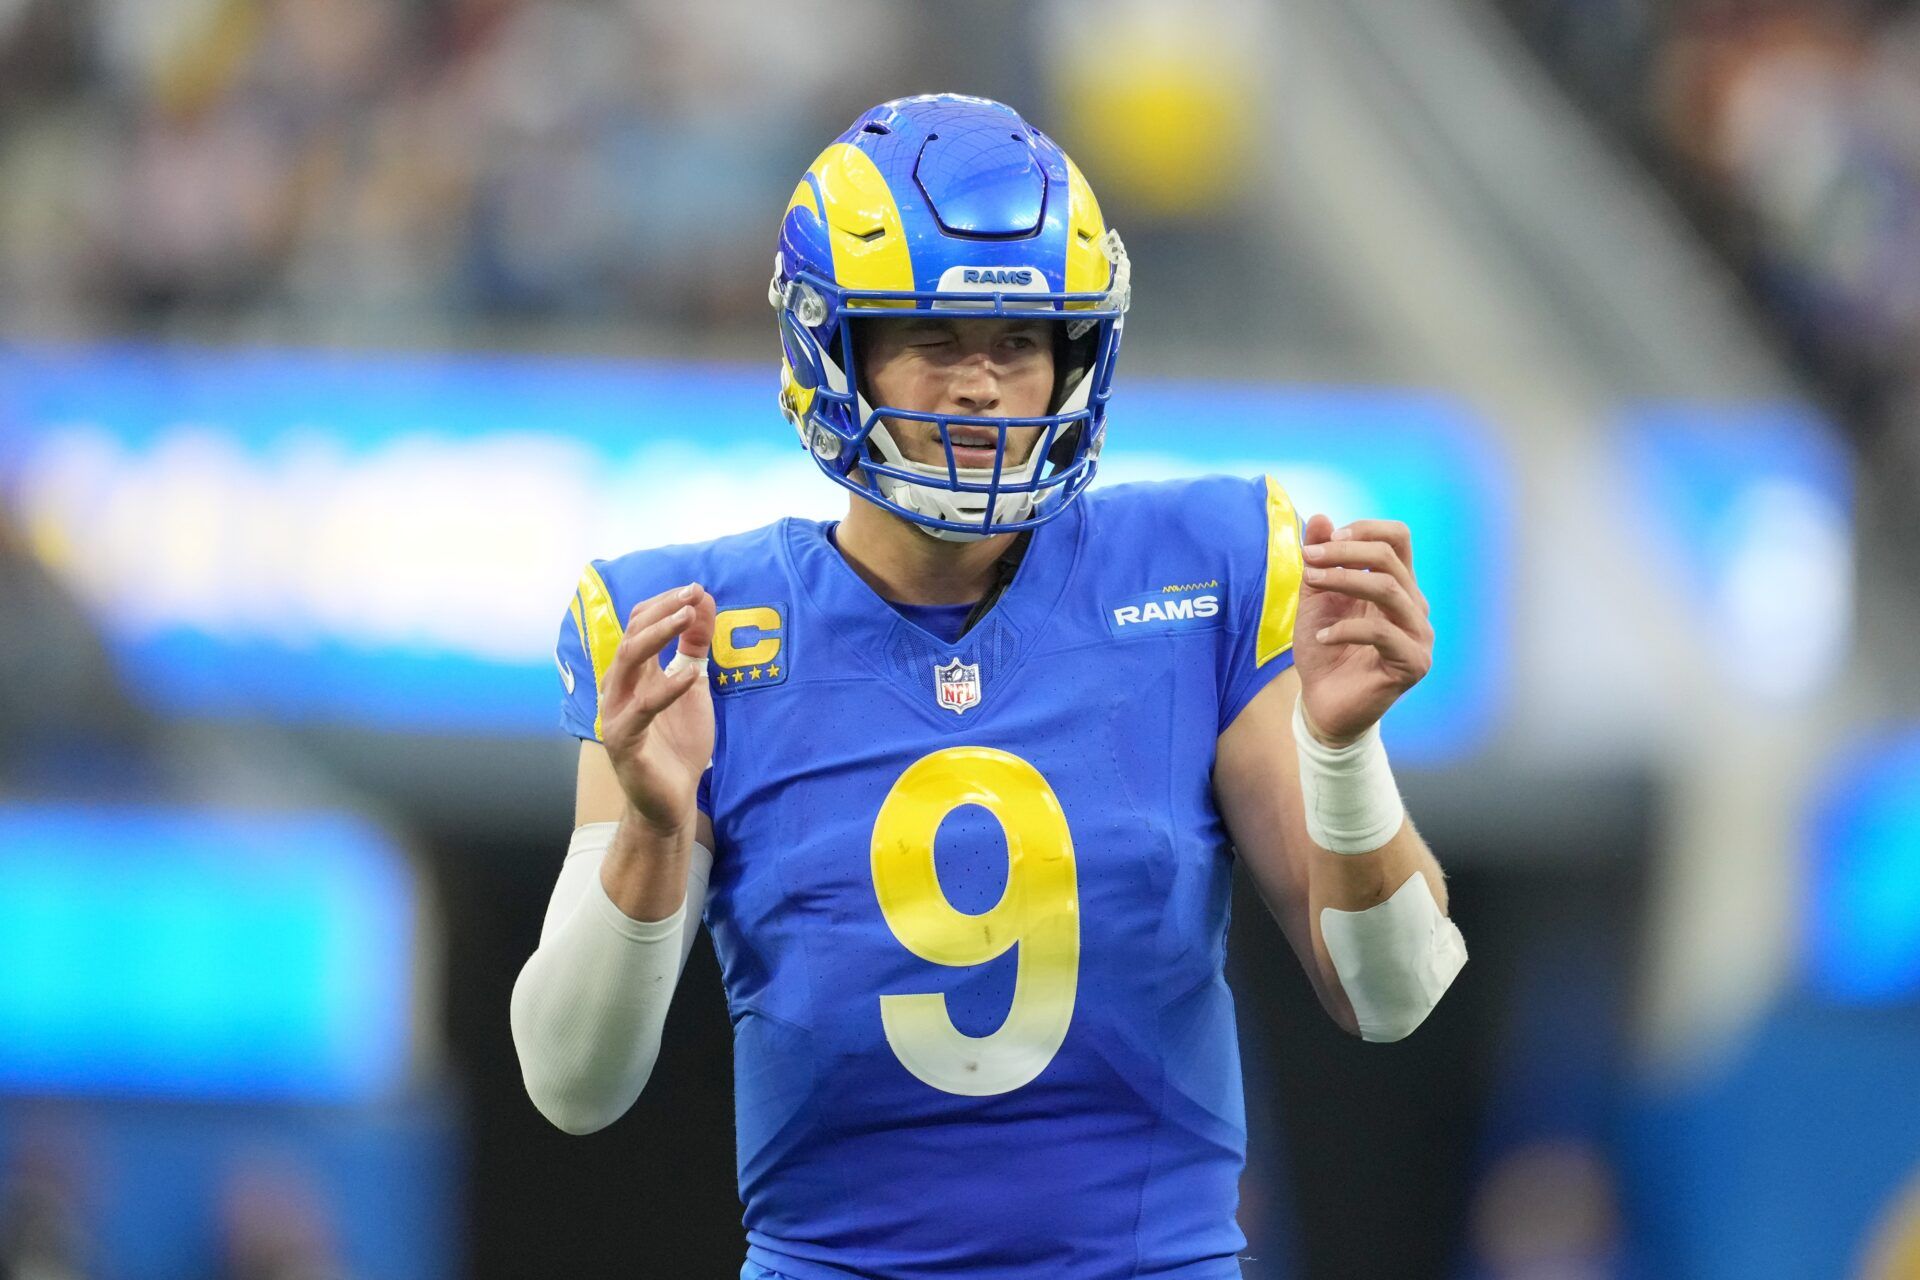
(1361,636)
(658,727)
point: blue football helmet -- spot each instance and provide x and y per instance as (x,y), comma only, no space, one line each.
(947,205)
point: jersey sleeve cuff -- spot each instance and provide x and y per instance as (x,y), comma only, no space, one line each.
(1251,684)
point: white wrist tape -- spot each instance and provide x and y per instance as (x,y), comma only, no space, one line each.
(680,662)
(1395,960)
(589,1003)
(1352,804)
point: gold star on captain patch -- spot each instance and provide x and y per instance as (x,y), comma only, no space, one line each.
(755,673)
(773,673)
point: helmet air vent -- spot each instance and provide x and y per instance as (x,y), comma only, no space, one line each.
(982,180)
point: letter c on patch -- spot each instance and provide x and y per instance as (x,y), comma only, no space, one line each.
(730,649)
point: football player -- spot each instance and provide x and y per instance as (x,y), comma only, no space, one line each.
(956,783)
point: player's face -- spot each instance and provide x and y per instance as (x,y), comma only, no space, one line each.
(990,367)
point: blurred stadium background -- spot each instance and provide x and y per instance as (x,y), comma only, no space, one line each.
(338,333)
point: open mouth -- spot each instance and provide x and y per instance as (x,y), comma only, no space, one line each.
(973,446)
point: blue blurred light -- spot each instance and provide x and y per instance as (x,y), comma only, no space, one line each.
(1786,1159)
(1752,503)
(317,536)
(1863,931)
(201,954)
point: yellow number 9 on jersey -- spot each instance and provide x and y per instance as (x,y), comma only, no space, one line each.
(1039,912)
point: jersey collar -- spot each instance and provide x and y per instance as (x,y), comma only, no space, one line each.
(876,635)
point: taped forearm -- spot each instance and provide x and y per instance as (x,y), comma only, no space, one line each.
(1395,959)
(590,1002)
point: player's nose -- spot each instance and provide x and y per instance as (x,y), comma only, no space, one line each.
(975,388)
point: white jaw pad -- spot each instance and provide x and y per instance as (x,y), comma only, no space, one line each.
(1395,960)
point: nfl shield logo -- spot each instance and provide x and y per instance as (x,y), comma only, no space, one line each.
(957,685)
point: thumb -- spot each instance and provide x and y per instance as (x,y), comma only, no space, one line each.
(697,639)
(1319,529)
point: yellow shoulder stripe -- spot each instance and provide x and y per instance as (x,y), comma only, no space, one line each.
(602,632)
(1282,600)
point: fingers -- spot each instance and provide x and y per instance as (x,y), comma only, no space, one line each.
(1320,531)
(639,711)
(1394,644)
(1392,532)
(660,694)
(1382,590)
(652,623)
(1377,556)
(621,672)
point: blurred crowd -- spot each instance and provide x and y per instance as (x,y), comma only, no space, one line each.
(426,173)
(1791,131)
(390,167)
(272,1222)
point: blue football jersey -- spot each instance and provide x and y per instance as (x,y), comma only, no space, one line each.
(970,899)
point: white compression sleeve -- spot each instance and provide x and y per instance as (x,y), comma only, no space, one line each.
(1395,959)
(589,1003)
